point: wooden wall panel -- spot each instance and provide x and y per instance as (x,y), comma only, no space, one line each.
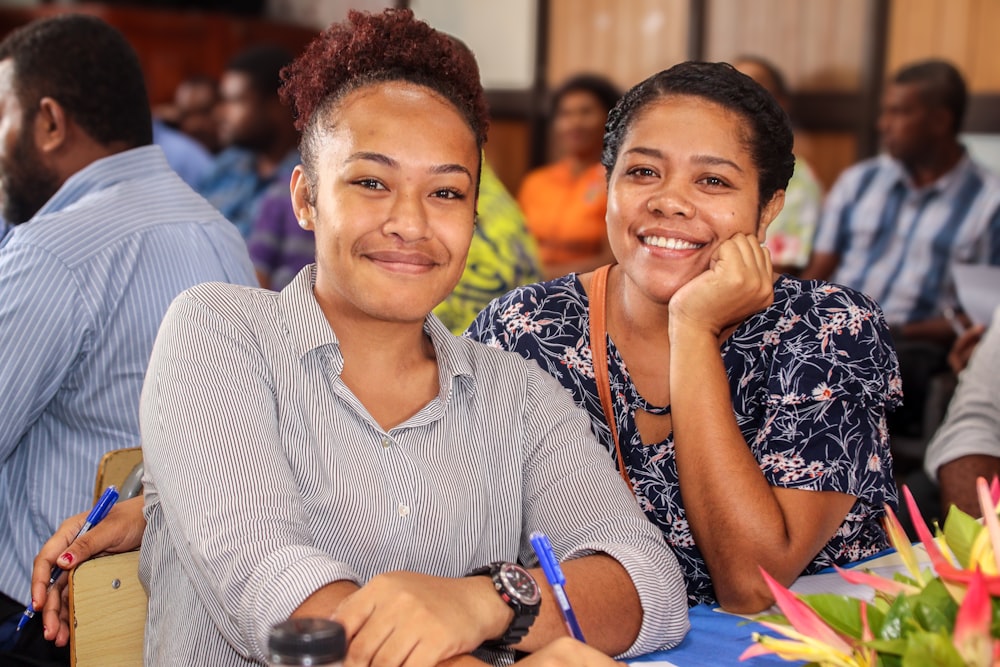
(175,44)
(828,153)
(507,151)
(962,31)
(818,44)
(625,41)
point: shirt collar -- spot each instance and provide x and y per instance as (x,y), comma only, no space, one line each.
(946,181)
(308,329)
(105,173)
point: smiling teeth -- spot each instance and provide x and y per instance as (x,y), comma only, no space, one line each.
(671,243)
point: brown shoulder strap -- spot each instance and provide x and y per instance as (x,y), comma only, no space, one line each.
(599,354)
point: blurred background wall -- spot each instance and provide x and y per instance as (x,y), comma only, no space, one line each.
(835,54)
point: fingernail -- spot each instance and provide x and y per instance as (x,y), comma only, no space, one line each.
(34,605)
(45,629)
(67,558)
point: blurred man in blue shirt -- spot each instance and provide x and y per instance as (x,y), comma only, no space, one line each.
(105,236)
(259,132)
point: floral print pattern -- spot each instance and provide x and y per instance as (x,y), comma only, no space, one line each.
(811,378)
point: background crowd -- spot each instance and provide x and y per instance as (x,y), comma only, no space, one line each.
(848,362)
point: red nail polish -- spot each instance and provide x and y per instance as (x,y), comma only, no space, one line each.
(68,557)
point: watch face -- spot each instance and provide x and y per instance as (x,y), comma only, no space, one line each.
(520,584)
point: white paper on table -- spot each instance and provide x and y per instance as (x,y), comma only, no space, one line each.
(832,582)
(978,288)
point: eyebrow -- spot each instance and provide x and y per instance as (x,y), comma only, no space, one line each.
(381,158)
(709,160)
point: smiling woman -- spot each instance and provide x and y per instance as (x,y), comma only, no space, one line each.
(745,410)
(306,451)
(393,206)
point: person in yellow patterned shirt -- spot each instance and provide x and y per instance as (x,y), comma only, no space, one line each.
(502,256)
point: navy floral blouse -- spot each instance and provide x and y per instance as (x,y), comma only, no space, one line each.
(811,378)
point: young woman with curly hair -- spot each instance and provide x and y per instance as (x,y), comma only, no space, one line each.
(332,450)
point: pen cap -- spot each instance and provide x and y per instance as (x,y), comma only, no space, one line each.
(307,641)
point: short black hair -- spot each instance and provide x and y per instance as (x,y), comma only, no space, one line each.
(89,68)
(598,86)
(262,64)
(941,85)
(770,140)
(780,86)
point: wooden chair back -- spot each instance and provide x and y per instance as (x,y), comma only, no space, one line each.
(107,603)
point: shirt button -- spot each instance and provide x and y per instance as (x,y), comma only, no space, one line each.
(403,510)
(386,442)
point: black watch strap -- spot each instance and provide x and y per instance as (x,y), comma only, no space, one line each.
(525,608)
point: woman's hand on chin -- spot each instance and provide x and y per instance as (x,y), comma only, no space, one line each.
(738,283)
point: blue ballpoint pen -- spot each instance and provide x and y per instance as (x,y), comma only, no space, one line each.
(554,574)
(97,514)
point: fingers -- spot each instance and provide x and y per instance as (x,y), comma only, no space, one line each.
(120,531)
(390,624)
(567,652)
(961,351)
(48,557)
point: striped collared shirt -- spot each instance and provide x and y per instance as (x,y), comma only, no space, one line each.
(83,287)
(266,478)
(897,243)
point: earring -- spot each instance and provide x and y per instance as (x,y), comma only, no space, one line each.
(303,222)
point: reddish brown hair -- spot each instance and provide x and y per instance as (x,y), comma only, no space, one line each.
(373,48)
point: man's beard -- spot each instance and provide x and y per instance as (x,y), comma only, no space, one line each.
(27,183)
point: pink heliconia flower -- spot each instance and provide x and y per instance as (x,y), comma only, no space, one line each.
(890,587)
(942,564)
(803,618)
(972,624)
(899,540)
(988,506)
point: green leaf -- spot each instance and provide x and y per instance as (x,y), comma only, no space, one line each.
(888,647)
(960,531)
(876,617)
(840,612)
(926,649)
(898,620)
(932,619)
(934,609)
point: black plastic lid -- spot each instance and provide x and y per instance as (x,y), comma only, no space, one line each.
(307,641)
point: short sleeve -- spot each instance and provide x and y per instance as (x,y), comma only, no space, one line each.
(972,423)
(832,377)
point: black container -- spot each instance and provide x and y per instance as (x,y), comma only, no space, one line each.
(315,642)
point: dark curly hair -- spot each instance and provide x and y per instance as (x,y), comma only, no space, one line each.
(262,64)
(596,85)
(375,48)
(770,136)
(89,68)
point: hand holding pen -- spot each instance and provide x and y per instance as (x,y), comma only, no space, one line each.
(97,514)
(554,574)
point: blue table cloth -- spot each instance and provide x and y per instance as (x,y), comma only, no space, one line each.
(715,639)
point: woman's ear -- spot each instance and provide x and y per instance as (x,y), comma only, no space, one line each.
(302,198)
(769,213)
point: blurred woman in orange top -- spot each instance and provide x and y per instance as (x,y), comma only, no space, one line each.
(564,203)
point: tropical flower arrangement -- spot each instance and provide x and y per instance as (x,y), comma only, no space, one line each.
(947,615)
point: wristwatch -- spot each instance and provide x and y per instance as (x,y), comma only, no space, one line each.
(519,590)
